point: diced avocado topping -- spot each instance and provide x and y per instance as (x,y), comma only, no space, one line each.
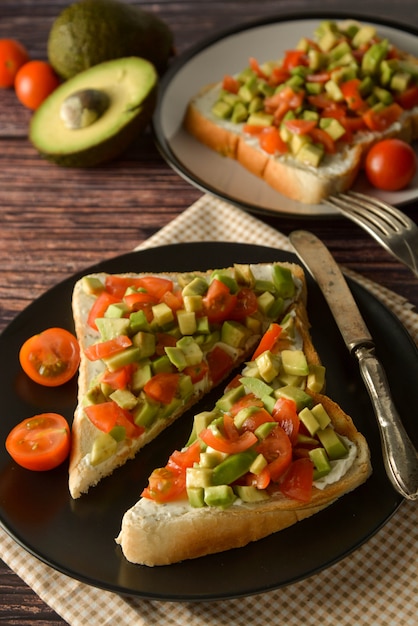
(340,73)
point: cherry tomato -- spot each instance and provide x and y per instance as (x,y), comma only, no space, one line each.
(390,164)
(34,82)
(12,56)
(297,482)
(40,443)
(219,302)
(165,484)
(50,358)
(162,387)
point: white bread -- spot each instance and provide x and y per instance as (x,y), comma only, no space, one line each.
(82,474)
(298,181)
(159,534)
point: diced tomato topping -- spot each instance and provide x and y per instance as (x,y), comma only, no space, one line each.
(285,414)
(100,306)
(321,136)
(352,95)
(271,142)
(155,285)
(185,458)
(220,364)
(164,340)
(230,84)
(139,300)
(319,77)
(246,304)
(297,482)
(173,299)
(252,129)
(231,432)
(197,372)
(219,301)
(163,387)
(165,484)
(294,58)
(117,285)
(119,379)
(257,418)
(248,400)
(277,449)
(380,120)
(408,99)
(107,415)
(257,69)
(268,340)
(104,349)
(300,127)
(222,444)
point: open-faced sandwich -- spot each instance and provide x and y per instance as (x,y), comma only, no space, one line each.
(273,451)
(304,123)
(153,345)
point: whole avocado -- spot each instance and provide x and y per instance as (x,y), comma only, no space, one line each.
(89,32)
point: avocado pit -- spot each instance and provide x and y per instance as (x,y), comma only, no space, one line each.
(83,108)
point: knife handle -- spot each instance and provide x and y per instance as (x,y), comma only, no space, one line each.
(399,454)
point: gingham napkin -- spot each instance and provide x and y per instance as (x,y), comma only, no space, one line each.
(376,585)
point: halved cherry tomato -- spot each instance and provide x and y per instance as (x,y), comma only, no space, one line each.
(222,444)
(268,340)
(390,164)
(107,415)
(34,82)
(104,349)
(220,364)
(165,484)
(41,442)
(219,301)
(50,358)
(297,482)
(12,56)
(163,387)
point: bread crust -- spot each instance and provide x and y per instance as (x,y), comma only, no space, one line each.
(82,475)
(155,534)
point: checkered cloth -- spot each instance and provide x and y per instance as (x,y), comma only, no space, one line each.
(376,585)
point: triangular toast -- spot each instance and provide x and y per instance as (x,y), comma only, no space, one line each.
(273,451)
(152,345)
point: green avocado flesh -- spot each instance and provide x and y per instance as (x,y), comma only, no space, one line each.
(130,85)
(90,32)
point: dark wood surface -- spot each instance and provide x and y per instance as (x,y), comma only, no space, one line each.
(54,222)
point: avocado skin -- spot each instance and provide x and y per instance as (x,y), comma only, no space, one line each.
(101,149)
(89,32)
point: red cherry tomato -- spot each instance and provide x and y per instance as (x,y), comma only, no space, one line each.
(12,56)
(391,164)
(34,82)
(40,443)
(50,358)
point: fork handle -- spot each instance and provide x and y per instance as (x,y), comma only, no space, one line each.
(399,455)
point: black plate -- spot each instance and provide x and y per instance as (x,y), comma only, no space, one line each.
(227,52)
(76,537)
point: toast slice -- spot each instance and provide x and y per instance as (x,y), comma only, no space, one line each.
(274,451)
(153,345)
(305,123)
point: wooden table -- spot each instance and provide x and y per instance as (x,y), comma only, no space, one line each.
(54,222)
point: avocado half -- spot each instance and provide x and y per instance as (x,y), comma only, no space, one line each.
(130,87)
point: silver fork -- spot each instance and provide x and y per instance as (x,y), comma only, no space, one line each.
(396,232)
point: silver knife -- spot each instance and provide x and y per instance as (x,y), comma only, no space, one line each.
(399,455)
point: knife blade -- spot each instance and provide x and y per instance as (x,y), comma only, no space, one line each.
(399,455)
